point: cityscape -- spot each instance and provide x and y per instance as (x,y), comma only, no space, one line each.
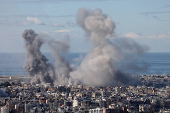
(84,56)
(19,96)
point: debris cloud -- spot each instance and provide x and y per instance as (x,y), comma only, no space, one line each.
(62,65)
(36,64)
(99,66)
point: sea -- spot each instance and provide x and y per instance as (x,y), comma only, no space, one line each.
(12,63)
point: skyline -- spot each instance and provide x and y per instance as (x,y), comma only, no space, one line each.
(144,21)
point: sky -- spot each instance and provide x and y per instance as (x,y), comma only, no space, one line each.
(145,21)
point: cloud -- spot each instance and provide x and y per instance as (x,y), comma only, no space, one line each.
(157,12)
(20,23)
(28,21)
(153,14)
(130,35)
(40,16)
(167,35)
(63,30)
(57,25)
(71,24)
(34,20)
(135,36)
(157,18)
(5,22)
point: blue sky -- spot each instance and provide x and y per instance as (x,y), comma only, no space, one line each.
(145,21)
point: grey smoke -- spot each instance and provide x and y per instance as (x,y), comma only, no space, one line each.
(99,66)
(62,65)
(133,50)
(36,64)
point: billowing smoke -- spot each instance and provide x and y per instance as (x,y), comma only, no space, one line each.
(36,64)
(62,65)
(133,50)
(99,66)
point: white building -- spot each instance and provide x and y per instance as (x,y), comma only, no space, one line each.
(97,110)
(5,109)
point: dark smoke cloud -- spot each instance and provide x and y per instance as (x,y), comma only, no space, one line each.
(36,64)
(99,66)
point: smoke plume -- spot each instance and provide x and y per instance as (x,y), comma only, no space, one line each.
(131,50)
(36,64)
(62,65)
(99,66)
